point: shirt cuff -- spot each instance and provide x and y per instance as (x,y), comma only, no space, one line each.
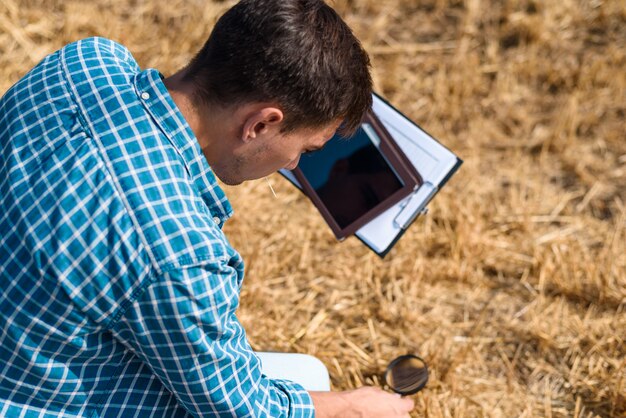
(300,402)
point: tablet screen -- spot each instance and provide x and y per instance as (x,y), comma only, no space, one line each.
(351,176)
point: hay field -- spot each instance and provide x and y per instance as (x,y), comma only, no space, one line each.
(514,286)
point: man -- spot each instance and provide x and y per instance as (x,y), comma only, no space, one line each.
(118,289)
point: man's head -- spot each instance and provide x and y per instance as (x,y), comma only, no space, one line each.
(291,69)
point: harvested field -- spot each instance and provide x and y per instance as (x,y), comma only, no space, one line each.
(513,288)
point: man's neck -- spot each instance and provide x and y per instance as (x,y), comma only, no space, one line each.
(209,124)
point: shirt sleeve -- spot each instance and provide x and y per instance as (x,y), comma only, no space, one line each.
(184,327)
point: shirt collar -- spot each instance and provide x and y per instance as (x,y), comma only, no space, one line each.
(157,100)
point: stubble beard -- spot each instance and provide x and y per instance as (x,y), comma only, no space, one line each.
(230,174)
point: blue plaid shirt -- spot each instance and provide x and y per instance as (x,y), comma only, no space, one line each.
(118,289)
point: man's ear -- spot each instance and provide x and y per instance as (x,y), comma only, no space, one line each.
(260,122)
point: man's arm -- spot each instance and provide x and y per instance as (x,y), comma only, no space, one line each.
(366,402)
(184,327)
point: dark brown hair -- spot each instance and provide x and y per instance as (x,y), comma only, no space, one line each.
(299,53)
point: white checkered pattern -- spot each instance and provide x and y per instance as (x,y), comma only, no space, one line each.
(118,290)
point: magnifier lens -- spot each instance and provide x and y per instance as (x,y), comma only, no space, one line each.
(407,374)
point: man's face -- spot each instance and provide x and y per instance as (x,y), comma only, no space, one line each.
(270,152)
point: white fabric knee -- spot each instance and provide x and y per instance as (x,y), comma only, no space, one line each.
(304,369)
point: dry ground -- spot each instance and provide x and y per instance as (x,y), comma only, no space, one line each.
(514,287)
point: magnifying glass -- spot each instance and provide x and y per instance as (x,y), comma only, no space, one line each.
(407,374)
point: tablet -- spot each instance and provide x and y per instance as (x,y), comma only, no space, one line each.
(353,180)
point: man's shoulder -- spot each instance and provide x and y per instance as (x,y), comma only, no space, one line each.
(98,51)
(98,62)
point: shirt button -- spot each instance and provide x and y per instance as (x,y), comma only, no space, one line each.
(145,95)
(217,220)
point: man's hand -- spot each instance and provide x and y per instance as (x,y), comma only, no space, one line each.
(366,402)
